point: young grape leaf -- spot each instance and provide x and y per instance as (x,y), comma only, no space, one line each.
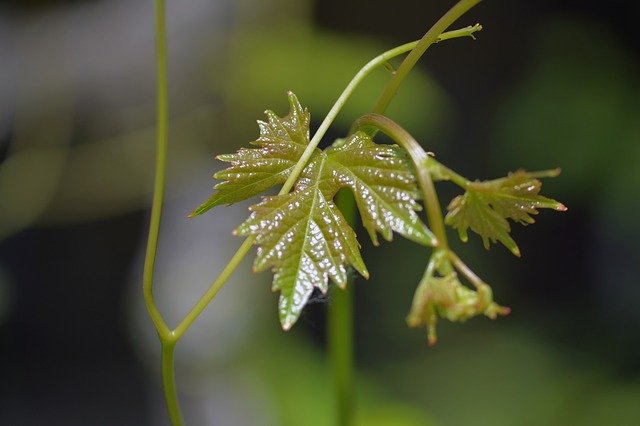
(303,237)
(440,293)
(486,206)
(254,170)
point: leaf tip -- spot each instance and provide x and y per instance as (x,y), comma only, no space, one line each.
(561,207)
(555,172)
(432,338)
(198,211)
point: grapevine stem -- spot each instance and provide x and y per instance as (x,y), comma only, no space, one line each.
(167,339)
(340,334)
(160,170)
(169,380)
(355,81)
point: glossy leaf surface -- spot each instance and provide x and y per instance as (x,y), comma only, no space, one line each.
(305,239)
(254,170)
(302,236)
(486,206)
(383,184)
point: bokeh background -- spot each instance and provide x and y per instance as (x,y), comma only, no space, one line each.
(547,83)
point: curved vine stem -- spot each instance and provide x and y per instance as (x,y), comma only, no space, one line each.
(419,158)
(427,40)
(162,129)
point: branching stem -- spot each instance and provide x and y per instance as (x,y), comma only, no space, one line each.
(166,336)
(376,62)
(169,337)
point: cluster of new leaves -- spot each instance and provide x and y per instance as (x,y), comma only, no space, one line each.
(302,236)
(441,294)
(485,206)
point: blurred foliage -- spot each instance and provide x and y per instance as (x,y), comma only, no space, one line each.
(299,385)
(578,107)
(508,376)
(5,295)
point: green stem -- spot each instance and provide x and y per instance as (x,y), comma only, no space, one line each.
(340,331)
(427,40)
(419,157)
(169,381)
(442,172)
(160,168)
(167,339)
(340,342)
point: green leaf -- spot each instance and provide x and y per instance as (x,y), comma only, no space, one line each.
(303,237)
(486,206)
(253,171)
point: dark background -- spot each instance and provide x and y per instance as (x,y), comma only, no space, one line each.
(546,84)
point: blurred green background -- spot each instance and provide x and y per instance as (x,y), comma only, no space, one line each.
(546,84)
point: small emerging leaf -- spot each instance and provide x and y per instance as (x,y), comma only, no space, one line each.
(486,206)
(440,294)
(253,171)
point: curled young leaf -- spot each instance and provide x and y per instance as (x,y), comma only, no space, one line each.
(441,294)
(485,206)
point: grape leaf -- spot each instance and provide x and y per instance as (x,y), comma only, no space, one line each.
(254,170)
(486,206)
(303,237)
